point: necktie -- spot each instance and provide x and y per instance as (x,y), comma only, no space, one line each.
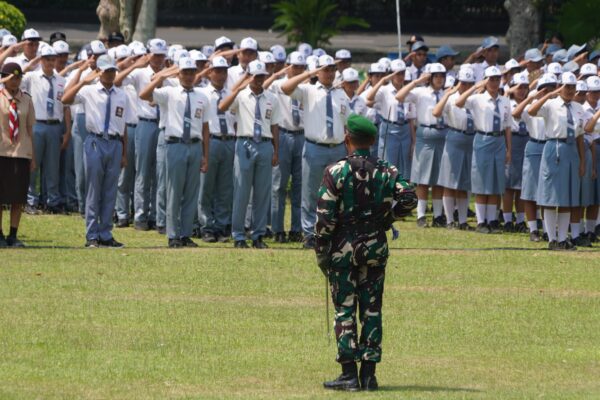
(522,128)
(496,123)
(257,120)
(107,114)
(329,110)
(400,113)
(50,100)
(187,119)
(570,124)
(440,120)
(13,121)
(221,115)
(470,123)
(352,104)
(295,113)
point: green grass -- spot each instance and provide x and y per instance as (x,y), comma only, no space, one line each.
(465,316)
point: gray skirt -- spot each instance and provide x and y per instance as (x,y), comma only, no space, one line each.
(427,157)
(514,171)
(531,170)
(487,168)
(394,146)
(455,166)
(587,183)
(558,184)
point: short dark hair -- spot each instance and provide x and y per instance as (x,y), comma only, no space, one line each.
(361,141)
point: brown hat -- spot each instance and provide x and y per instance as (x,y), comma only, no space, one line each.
(11,68)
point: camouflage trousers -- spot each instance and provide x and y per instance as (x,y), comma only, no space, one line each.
(356,280)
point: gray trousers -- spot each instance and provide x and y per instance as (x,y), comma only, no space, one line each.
(67,176)
(144,199)
(46,142)
(182,165)
(252,172)
(161,180)
(78,135)
(127,178)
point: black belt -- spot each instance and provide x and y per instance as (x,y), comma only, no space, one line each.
(494,134)
(224,138)
(155,120)
(171,140)
(251,139)
(131,125)
(394,122)
(438,127)
(48,121)
(559,140)
(298,132)
(465,132)
(110,137)
(537,141)
(515,133)
(330,145)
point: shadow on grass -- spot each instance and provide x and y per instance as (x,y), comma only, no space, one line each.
(419,388)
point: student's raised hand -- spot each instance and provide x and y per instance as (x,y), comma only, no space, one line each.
(91,77)
(423,78)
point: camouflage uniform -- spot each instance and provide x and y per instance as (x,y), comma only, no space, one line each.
(354,210)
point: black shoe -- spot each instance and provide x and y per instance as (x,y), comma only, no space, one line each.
(465,227)
(3,243)
(222,238)
(347,381)
(309,242)
(540,224)
(55,210)
(535,236)
(141,226)
(12,241)
(455,215)
(197,233)
(482,228)
(509,227)
(452,225)
(495,227)
(161,230)
(439,222)
(470,213)
(268,234)
(566,245)
(111,243)
(280,237)
(521,227)
(553,245)
(501,216)
(597,230)
(92,244)
(240,244)
(259,244)
(31,210)
(422,222)
(295,237)
(545,237)
(187,242)
(209,237)
(592,237)
(151,224)
(581,241)
(368,381)
(122,223)
(175,243)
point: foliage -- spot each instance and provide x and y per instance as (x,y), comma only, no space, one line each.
(312,21)
(12,18)
(578,21)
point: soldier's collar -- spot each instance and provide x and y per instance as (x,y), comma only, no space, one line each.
(362,152)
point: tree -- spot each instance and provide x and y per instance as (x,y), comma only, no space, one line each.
(524,28)
(136,19)
(311,21)
(12,19)
(578,21)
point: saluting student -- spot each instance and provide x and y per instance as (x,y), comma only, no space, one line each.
(592,105)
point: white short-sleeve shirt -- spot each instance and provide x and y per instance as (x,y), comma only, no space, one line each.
(287,107)
(140,78)
(244,107)
(214,122)
(95,98)
(424,99)
(482,108)
(38,87)
(386,103)
(536,126)
(176,98)
(554,112)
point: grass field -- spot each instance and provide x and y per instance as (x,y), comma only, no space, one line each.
(465,316)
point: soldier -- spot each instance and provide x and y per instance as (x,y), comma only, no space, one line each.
(355,208)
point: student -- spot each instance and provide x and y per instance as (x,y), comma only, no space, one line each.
(350,83)
(247,53)
(446,56)
(592,105)
(490,51)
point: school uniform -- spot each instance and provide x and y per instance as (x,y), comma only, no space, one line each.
(536,128)
(234,74)
(594,140)
(46,92)
(520,137)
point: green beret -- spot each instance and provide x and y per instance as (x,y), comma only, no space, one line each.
(360,126)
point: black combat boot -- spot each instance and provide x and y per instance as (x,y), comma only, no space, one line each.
(348,380)
(368,381)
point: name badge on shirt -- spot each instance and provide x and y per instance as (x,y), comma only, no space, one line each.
(343,109)
(119,112)
(268,113)
(198,113)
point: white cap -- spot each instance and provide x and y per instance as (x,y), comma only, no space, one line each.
(386,62)
(172,49)
(157,46)
(568,78)
(197,55)
(223,41)
(533,55)
(31,34)
(305,49)
(520,79)
(312,64)
(450,81)
(398,66)
(377,68)
(8,40)
(511,64)
(546,79)
(326,60)
(408,76)
(179,54)
(310,59)
(593,83)
(343,54)
(122,51)
(296,58)
(60,46)
(97,47)
(436,68)
(105,62)
(266,57)
(219,62)
(427,68)
(466,74)
(257,67)
(350,75)
(319,52)
(588,69)
(208,50)
(47,51)
(112,52)
(492,71)
(581,86)
(186,63)
(82,55)
(278,52)
(554,68)
(249,44)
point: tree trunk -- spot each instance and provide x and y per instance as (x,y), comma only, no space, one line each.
(146,23)
(128,18)
(108,14)
(524,28)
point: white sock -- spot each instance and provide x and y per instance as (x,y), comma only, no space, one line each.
(463,206)
(448,207)
(421,208)
(520,217)
(532,226)
(480,212)
(550,217)
(563,226)
(492,213)
(590,225)
(438,208)
(507,217)
(575,229)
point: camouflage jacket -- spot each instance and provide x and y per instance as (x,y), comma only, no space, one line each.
(356,196)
